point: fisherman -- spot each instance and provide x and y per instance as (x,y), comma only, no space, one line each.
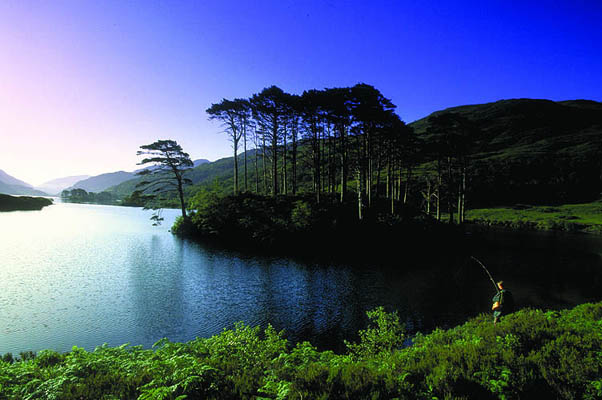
(503,302)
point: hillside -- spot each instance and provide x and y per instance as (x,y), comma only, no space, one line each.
(55,186)
(204,172)
(11,180)
(532,150)
(12,185)
(20,190)
(101,182)
(511,128)
(524,151)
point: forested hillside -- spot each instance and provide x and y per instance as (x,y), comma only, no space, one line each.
(531,151)
(501,153)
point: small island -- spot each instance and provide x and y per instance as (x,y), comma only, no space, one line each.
(22,203)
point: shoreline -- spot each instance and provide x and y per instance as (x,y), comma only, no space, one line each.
(570,218)
(23,203)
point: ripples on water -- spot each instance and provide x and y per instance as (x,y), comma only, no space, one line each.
(85,275)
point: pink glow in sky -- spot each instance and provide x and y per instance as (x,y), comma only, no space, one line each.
(84,83)
(79,93)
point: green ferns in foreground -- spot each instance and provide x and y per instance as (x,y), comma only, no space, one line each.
(529,354)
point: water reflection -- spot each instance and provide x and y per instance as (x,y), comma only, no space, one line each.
(87,274)
(156,288)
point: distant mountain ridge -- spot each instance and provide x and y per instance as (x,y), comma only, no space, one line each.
(195,164)
(11,185)
(96,184)
(103,182)
(55,186)
(11,180)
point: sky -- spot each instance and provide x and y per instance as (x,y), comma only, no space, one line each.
(84,83)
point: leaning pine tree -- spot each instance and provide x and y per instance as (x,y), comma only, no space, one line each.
(166,174)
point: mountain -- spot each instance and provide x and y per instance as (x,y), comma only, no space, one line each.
(102,182)
(523,151)
(200,161)
(56,186)
(18,190)
(530,150)
(195,164)
(14,186)
(204,171)
(11,180)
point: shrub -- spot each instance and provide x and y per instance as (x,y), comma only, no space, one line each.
(528,354)
(384,334)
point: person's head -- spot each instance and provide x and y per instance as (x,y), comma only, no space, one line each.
(500,284)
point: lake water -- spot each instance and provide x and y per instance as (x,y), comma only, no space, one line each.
(84,275)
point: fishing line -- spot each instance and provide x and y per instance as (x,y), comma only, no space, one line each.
(488,274)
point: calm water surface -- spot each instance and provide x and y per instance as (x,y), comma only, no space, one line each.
(84,275)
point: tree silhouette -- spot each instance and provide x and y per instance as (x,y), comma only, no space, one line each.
(267,111)
(235,116)
(170,163)
(454,135)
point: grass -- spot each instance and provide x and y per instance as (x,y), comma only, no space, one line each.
(585,217)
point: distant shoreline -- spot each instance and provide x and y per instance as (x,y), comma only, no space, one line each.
(575,218)
(23,203)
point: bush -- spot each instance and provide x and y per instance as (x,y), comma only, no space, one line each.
(528,354)
(290,223)
(384,335)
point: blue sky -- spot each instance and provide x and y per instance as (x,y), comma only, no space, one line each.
(84,83)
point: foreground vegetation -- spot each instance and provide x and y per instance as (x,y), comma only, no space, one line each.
(22,203)
(571,217)
(529,354)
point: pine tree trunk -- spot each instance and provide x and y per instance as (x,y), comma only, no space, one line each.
(439,183)
(343,164)
(359,194)
(369,167)
(284,175)
(256,170)
(294,159)
(235,166)
(274,156)
(378,168)
(390,185)
(428,197)
(389,192)
(245,148)
(265,175)
(408,182)
(181,194)
(450,203)
(316,154)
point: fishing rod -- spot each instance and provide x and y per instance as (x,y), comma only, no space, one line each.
(488,274)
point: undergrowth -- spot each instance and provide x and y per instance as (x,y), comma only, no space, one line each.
(529,354)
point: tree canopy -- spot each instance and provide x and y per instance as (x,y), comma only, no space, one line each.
(169,163)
